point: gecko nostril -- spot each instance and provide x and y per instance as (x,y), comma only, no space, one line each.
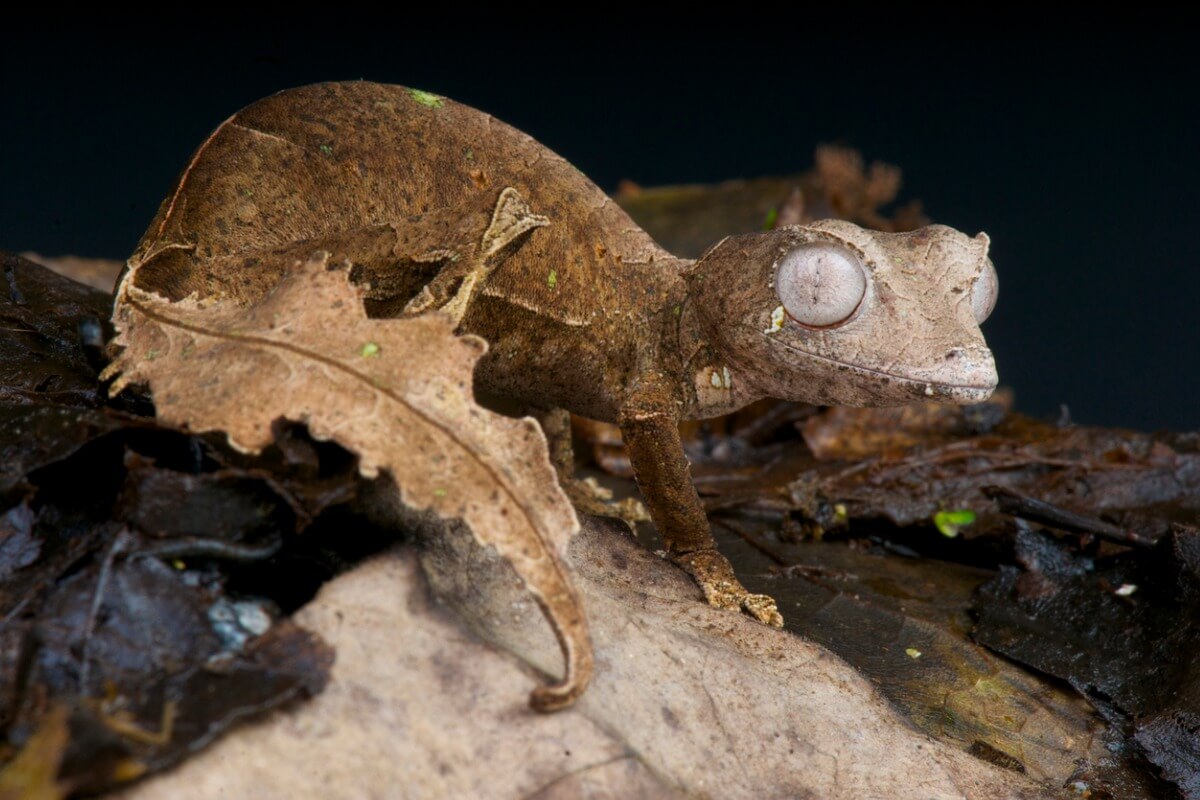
(953,354)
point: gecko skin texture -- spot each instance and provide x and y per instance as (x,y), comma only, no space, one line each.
(435,205)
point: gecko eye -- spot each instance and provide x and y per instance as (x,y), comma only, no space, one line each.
(820,284)
(984,292)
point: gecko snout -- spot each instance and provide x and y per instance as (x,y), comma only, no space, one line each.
(966,374)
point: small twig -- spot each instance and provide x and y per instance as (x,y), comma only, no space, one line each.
(196,547)
(11,615)
(124,724)
(960,451)
(1034,510)
(89,627)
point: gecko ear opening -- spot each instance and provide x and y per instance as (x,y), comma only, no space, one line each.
(820,284)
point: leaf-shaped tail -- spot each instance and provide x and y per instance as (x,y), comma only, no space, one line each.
(566,617)
(396,392)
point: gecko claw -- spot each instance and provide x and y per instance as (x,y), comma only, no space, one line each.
(762,607)
(714,574)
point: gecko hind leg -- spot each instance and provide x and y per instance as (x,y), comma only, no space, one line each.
(585,494)
(455,287)
(450,292)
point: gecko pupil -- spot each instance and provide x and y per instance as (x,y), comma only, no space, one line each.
(821,284)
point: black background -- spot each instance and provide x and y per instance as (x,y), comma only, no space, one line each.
(1073,142)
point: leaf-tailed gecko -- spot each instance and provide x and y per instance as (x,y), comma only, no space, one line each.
(436,206)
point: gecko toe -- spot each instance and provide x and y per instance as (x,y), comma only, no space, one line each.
(762,607)
(714,574)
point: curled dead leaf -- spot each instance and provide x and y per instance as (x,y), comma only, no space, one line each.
(396,392)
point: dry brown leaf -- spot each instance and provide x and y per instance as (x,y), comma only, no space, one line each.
(99,273)
(398,393)
(849,433)
(857,192)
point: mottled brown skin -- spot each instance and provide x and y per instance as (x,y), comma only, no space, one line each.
(437,205)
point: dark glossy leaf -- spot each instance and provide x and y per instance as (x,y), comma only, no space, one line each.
(1121,629)
(53,329)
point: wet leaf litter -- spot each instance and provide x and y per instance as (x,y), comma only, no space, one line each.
(117,657)
(835,510)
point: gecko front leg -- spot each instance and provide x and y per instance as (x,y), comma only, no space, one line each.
(650,426)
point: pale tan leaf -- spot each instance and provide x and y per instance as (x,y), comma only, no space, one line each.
(693,701)
(396,392)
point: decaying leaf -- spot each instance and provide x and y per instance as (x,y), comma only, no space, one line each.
(115,553)
(51,324)
(1115,628)
(99,273)
(857,192)
(849,433)
(398,393)
(902,623)
(688,219)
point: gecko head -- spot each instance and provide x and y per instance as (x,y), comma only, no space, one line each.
(835,314)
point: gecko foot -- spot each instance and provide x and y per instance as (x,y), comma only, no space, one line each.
(714,574)
(591,498)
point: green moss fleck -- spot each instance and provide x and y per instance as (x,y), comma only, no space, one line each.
(369,350)
(469,154)
(678,310)
(326,149)
(425,98)
(552,279)
(912,652)
(772,218)
(247,193)
(949,523)
(153,354)
(439,492)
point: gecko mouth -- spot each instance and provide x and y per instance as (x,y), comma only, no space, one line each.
(961,392)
